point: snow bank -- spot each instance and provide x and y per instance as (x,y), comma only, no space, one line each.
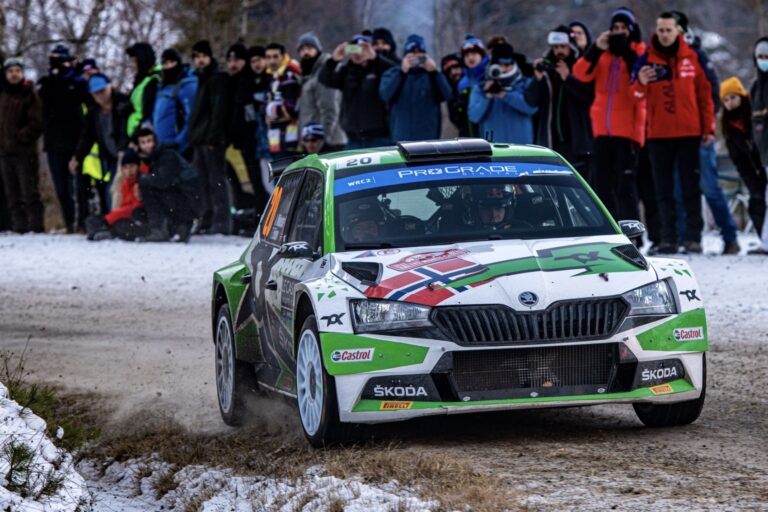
(133,486)
(49,481)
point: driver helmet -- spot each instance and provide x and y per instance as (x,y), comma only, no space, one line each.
(491,203)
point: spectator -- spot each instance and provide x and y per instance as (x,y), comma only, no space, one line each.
(522,61)
(250,106)
(168,190)
(208,138)
(414,92)
(282,110)
(680,118)
(498,104)
(146,82)
(708,180)
(356,69)
(475,62)
(581,36)
(453,70)
(318,102)
(62,100)
(385,45)
(563,102)
(128,221)
(173,106)
(87,68)
(20,127)
(618,119)
(738,133)
(240,77)
(313,138)
(105,125)
(759,92)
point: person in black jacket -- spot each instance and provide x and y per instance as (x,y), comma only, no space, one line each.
(563,122)
(169,190)
(105,124)
(62,97)
(738,134)
(356,69)
(208,137)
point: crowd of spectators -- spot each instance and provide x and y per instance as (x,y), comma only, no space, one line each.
(636,117)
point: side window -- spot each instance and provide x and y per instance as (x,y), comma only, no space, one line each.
(308,217)
(274,223)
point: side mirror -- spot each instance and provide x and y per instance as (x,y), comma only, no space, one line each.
(298,250)
(632,228)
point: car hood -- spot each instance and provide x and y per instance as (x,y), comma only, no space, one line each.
(498,272)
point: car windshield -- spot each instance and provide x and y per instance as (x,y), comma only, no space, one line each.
(438,204)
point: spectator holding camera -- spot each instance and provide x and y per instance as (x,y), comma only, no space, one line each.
(498,105)
(563,102)
(356,70)
(618,119)
(414,92)
(680,119)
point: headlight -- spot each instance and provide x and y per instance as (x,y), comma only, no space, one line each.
(651,299)
(382,315)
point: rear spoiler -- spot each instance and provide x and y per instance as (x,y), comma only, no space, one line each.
(276,167)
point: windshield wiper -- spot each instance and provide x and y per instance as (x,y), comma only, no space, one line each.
(367,245)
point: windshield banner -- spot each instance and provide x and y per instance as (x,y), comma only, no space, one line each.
(441,173)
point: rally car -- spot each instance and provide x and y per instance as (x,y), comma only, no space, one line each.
(451,276)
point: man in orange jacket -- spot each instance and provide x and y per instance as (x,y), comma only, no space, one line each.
(618,119)
(680,118)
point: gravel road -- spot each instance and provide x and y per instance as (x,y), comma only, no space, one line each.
(132,322)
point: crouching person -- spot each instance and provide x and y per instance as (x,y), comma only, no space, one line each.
(169,190)
(128,221)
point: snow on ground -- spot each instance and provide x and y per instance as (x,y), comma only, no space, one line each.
(47,481)
(131,487)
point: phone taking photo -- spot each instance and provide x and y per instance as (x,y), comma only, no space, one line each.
(352,49)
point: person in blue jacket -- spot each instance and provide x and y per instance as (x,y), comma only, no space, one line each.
(174,102)
(475,60)
(414,92)
(498,105)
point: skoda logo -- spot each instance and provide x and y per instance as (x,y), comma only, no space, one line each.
(529,299)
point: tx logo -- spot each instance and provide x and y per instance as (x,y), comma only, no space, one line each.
(333,319)
(690,295)
(584,257)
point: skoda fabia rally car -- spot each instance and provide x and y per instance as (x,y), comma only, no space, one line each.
(448,277)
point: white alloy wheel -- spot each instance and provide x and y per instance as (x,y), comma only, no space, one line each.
(225,364)
(309,382)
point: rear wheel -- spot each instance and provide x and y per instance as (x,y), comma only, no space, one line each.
(316,391)
(234,379)
(680,413)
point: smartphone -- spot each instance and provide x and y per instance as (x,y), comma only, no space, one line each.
(662,72)
(422,60)
(352,49)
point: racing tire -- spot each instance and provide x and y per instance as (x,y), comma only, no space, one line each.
(234,379)
(316,391)
(671,415)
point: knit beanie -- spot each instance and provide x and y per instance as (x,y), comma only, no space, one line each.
(732,86)
(310,39)
(624,15)
(414,42)
(237,51)
(203,47)
(170,55)
(472,44)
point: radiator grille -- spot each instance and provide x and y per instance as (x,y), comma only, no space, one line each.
(496,324)
(534,368)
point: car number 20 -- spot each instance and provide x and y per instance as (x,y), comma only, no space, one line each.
(359,160)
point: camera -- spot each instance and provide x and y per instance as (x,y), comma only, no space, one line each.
(501,81)
(662,72)
(544,66)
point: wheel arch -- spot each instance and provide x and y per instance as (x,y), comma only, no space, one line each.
(219,299)
(304,308)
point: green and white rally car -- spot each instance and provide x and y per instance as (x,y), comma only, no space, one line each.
(446,277)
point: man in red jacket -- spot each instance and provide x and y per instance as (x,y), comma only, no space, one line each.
(618,119)
(680,117)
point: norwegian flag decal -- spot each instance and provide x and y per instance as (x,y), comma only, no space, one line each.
(425,284)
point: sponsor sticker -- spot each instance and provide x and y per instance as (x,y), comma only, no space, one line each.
(658,373)
(664,389)
(689,333)
(353,355)
(395,406)
(425,258)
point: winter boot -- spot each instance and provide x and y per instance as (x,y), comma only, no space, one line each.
(731,247)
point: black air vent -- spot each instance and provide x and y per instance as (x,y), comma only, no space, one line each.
(630,253)
(368,273)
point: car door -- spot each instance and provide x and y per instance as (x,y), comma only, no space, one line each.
(273,325)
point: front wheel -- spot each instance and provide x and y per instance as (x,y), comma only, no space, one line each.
(234,379)
(670,415)
(316,391)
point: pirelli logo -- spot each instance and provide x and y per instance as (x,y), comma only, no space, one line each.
(664,389)
(395,406)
